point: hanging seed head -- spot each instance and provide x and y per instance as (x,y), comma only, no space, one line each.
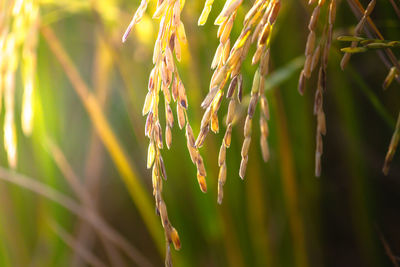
(202,182)
(246,147)
(151,153)
(222,155)
(200,167)
(228,136)
(135,19)
(175,239)
(264,148)
(201,137)
(264,107)
(264,127)
(189,135)
(314,18)
(231,112)
(243,166)
(216,103)
(149,125)
(307,66)
(220,193)
(264,65)
(321,122)
(257,25)
(174,88)
(193,152)
(147,103)
(206,11)
(168,136)
(158,135)
(257,55)
(232,87)
(163,76)
(222,174)
(162,167)
(209,98)
(182,96)
(169,115)
(318,102)
(274,12)
(256,83)
(252,105)
(302,83)
(206,118)
(317,164)
(310,43)
(214,123)
(247,127)
(315,57)
(181,115)
(240,88)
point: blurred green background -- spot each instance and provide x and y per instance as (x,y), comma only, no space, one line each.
(280,215)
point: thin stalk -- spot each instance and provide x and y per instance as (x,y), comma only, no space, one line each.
(396,8)
(11,230)
(63,200)
(257,208)
(289,184)
(103,63)
(358,9)
(76,246)
(394,142)
(82,194)
(388,250)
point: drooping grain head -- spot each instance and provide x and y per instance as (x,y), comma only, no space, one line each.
(257,27)
(165,78)
(316,53)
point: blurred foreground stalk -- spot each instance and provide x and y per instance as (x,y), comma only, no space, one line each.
(128,173)
(71,205)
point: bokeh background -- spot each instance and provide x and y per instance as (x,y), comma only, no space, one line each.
(280,215)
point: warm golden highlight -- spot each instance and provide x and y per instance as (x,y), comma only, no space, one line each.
(164,79)
(18,31)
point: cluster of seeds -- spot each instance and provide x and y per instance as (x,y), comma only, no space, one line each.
(257,27)
(357,31)
(18,40)
(164,79)
(318,54)
(369,44)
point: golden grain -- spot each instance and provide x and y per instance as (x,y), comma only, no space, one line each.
(319,53)
(257,25)
(164,75)
(359,27)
